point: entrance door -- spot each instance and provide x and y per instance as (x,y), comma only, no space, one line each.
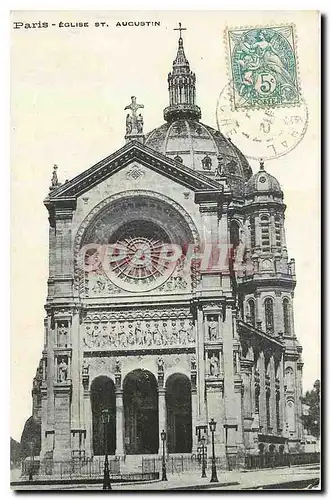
(179,414)
(141,413)
(103,397)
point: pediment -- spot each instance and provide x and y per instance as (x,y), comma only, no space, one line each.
(129,154)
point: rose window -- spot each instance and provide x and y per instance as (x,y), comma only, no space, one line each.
(139,256)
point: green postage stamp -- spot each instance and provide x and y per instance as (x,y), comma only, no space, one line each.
(263,67)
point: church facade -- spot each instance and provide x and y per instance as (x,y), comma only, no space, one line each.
(169,297)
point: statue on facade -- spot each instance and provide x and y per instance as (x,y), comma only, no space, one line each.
(213,329)
(134,123)
(165,333)
(193,363)
(174,333)
(130,336)
(122,338)
(128,124)
(191,333)
(160,365)
(54,180)
(62,370)
(139,334)
(148,335)
(117,366)
(62,335)
(140,123)
(182,334)
(157,334)
(85,367)
(214,366)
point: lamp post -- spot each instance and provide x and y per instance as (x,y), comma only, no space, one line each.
(164,470)
(212,427)
(106,478)
(31,468)
(203,443)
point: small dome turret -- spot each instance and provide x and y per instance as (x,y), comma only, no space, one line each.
(263,183)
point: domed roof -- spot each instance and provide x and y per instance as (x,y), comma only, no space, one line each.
(263,183)
(201,148)
(183,138)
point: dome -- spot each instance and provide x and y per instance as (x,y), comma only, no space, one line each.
(263,183)
(185,139)
(201,148)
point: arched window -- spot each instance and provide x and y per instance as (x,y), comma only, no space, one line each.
(251,312)
(265,232)
(269,315)
(287,316)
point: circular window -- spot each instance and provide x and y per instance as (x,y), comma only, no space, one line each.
(262,179)
(140,256)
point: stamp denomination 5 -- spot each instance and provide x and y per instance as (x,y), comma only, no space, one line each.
(263,67)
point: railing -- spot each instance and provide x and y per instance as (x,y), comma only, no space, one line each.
(269,460)
(71,468)
(177,464)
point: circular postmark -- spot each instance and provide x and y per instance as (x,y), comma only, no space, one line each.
(262,133)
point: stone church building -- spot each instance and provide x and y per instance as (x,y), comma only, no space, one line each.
(169,298)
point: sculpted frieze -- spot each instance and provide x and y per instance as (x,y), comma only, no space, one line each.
(138,334)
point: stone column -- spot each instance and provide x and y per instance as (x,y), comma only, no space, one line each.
(232,411)
(194,419)
(75,371)
(272,402)
(119,422)
(162,416)
(262,408)
(259,311)
(200,364)
(88,418)
(51,374)
(299,366)
(282,416)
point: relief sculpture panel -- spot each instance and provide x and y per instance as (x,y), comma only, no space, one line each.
(138,334)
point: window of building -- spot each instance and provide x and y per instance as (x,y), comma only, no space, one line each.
(251,312)
(265,232)
(277,230)
(269,315)
(287,316)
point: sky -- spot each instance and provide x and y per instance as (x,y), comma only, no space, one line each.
(69,87)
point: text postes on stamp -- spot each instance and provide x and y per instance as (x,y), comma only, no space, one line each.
(263,67)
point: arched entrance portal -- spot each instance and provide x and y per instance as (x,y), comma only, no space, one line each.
(103,397)
(179,414)
(140,399)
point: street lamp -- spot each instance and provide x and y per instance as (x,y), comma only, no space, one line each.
(31,468)
(164,470)
(203,443)
(106,478)
(212,427)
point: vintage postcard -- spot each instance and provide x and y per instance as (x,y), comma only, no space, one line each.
(165,188)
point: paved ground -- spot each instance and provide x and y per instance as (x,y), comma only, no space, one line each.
(285,478)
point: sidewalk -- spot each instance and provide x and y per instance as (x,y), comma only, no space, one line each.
(286,478)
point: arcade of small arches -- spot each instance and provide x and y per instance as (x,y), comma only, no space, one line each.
(138,411)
